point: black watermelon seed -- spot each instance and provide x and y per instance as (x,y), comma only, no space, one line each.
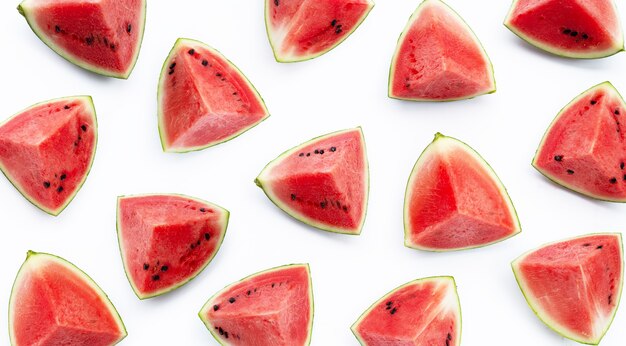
(226,335)
(276,2)
(218,74)
(333,149)
(60,189)
(308,154)
(273,285)
(129,28)
(574,33)
(89,40)
(221,331)
(624,176)
(610,299)
(558,158)
(83,127)
(585,36)
(146,266)
(586,244)
(193,246)
(449,336)
(599,247)
(57,29)
(616,112)
(393,311)
(293,197)
(207,236)
(112,46)
(66,107)
(171,72)
(613,180)
(567,31)
(63,176)
(164,268)
(216,307)
(202,210)
(205,62)
(593,102)
(172,65)
(156,278)
(46,184)
(322,152)
(249,292)
(389,303)
(621,165)
(345,208)
(301,154)
(316,151)
(198,243)
(232,300)
(388,308)
(323,205)
(191,52)
(447,342)
(570,172)
(333,23)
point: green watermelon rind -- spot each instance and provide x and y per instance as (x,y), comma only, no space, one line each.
(80,273)
(355,325)
(302,218)
(555,179)
(551,325)
(315,55)
(89,102)
(562,52)
(208,304)
(164,73)
(23,10)
(412,18)
(503,191)
(225,219)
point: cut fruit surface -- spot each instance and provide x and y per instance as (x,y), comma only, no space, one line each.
(167,240)
(574,286)
(455,201)
(421,312)
(438,58)
(305,29)
(102,36)
(584,148)
(47,150)
(55,303)
(323,182)
(273,307)
(203,99)
(569,28)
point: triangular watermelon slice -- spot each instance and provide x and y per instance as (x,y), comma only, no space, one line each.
(438,58)
(574,286)
(203,99)
(47,150)
(455,201)
(584,149)
(300,30)
(422,312)
(102,36)
(167,240)
(570,28)
(273,307)
(323,182)
(54,303)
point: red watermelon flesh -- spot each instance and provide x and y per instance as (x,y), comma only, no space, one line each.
(167,240)
(55,303)
(102,36)
(422,312)
(305,29)
(574,286)
(204,99)
(323,182)
(47,150)
(273,307)
(570,28)
(584,148)
(455,201)
(438,58)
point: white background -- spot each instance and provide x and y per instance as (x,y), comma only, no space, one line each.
(344,88)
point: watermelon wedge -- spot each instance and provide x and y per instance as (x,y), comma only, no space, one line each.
(422,312)
(47,150)
(203,99)
(323,182)
(102,36)
(570,28)
(584,148)
(300,30)
(167,240)
(574,286)
(55,303)
(438,58)
(273,307)
(455,201)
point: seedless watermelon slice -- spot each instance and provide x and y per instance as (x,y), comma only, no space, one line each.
(273,307)
(584,148)
(455,201)
(574,286)
(203,99)
(323,182)
(54,303)
(421,312)
(305,29)
(167,240)
(47,150)
(438,58)
(570,28)
(102,36)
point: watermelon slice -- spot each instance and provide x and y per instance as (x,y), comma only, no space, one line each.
(167,240)
(55,303)
(47,150)
(203,99)
(323,182)
(305,29)
(455,201)
(438,58)
(584,148)
(102,36)
(421,312)
(273,307)
(574,286)
(570,28)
